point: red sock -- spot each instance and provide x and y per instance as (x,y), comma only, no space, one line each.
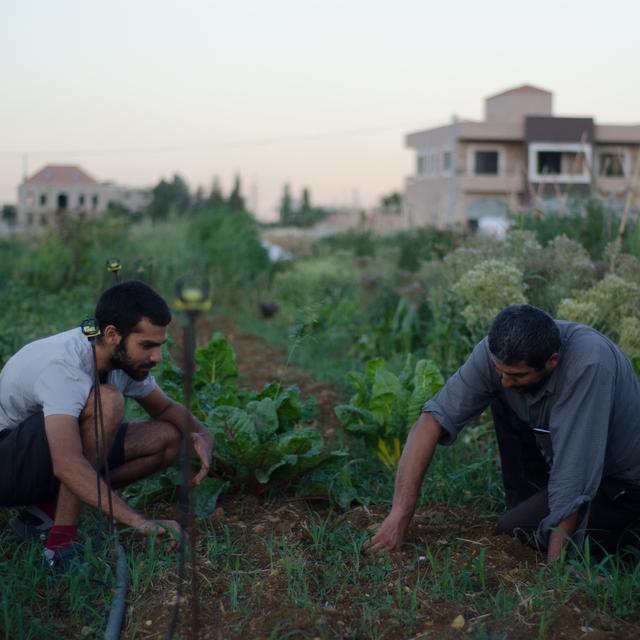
(61,536)
(49,507)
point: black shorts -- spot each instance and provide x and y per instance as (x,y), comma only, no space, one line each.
(26,471)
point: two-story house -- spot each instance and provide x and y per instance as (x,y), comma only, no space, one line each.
(519,155)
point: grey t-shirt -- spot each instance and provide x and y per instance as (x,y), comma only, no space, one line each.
(590,405)
(55,375)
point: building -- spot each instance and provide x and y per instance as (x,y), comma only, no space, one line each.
(520,155)
(57,188)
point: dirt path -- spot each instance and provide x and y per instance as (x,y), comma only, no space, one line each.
(259,363)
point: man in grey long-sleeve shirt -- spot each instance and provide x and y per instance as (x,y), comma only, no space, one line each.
(566,406)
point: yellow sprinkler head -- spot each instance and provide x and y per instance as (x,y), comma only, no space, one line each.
(90,328)
(192,298)
(113,265)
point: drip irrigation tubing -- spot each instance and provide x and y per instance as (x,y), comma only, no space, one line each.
(116,613)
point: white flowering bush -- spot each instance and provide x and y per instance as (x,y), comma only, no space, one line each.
(550,273)
(522,249)
(487,289)
(622,264)
(611,305)
(576,311)
(615,299)
(629,330)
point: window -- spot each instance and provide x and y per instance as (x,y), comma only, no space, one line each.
(43,199)
(81,200)
(555,163)
(434,163)
(611,164)
(549,163)
(485,163)
(446,160)
(485,160)
(63,201)
(94,201)
(566,162)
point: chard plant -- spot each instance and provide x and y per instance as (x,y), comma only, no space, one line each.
(385,405)
(260,437)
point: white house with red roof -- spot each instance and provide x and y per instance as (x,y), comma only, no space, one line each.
(58,188)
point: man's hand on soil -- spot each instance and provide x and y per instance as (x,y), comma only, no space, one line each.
(204,449)
(164,531)
(389,535)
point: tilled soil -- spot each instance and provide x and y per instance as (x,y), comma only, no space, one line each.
(337,610)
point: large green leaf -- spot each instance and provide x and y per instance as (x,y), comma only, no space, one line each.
(427,381)
(265,417)
(303,441)
(206,495)
(288,404)
(387,395)
(357,421)
(264,475)
(216,363)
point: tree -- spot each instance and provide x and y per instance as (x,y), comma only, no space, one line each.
(216,197)
(181,194)
(305,207)
(169,197)
(198,199)
(9,214)
(236,201)
(286,207)
(391,203)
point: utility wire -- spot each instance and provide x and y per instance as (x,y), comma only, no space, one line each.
(228,144)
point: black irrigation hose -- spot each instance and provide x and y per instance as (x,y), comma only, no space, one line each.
(116,613)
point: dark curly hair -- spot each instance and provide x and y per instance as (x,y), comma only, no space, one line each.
(126,303)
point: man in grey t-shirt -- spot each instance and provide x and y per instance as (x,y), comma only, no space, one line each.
(566,408)
(48,449)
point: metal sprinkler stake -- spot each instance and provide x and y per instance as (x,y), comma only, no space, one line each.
(191,300)
(114,266)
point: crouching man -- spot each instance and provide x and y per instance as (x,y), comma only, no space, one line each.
(566,408)
(47,437)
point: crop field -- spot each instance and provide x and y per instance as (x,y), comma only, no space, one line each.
(309,376)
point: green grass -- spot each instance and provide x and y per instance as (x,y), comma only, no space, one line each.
(313,574)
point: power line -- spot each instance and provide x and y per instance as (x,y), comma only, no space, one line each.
(257,142)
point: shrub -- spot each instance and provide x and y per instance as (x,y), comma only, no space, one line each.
(487,289)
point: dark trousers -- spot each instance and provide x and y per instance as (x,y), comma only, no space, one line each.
(614,515)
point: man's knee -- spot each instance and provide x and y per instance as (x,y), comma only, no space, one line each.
(111,405)
(169,440)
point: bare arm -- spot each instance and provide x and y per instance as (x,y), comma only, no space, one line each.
(161,407)
(559,536)
(74,470)
(414,462)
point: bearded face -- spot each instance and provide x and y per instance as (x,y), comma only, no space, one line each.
(135,368)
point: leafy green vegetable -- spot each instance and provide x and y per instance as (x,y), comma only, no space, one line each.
(216,363)
(259,436)
(385,405)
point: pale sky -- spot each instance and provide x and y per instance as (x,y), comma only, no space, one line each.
(316,94)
